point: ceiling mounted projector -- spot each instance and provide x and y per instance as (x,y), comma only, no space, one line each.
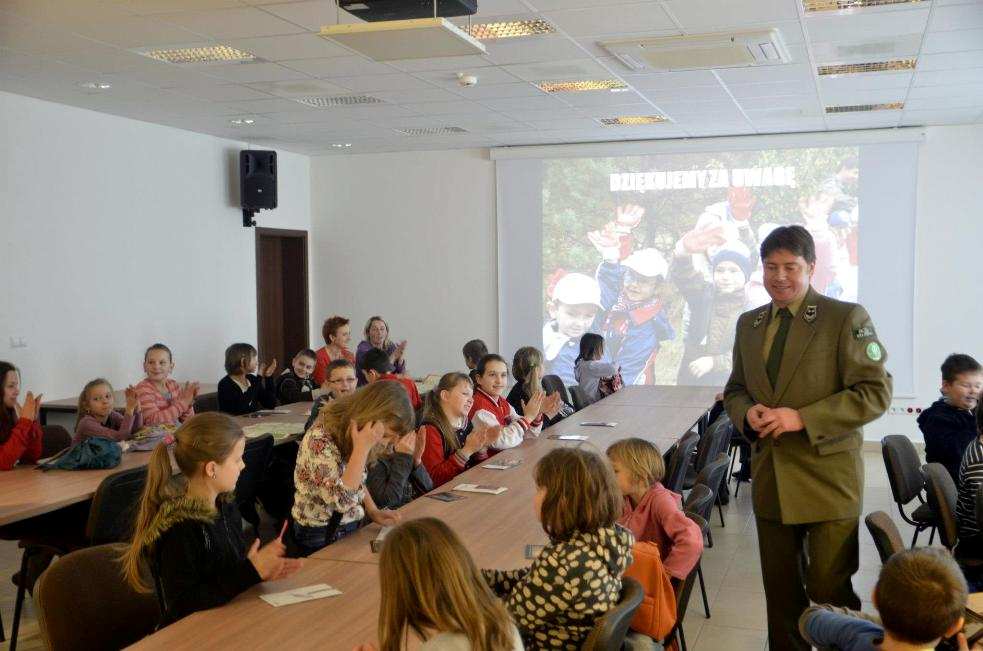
(701,51)
(375,10)
(392,40)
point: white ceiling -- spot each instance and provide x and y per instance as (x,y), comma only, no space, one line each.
(49,47)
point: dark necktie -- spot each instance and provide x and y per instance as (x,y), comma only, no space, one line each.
(778,346)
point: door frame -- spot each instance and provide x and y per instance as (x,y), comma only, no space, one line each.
(293,234)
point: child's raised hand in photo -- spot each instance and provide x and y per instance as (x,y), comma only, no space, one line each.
(628,217)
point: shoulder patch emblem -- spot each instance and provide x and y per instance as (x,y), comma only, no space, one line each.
(874,352)
(863,333)
(758,319)
(810,314)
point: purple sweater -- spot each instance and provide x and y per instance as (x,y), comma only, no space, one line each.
(365,347)
(118,427)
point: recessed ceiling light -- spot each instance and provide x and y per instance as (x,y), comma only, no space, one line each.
(238,122)
(95,85)
(197,54)
(341,145)
(340,100)
(877,66)
(632,120)
(431,131)
(576,86)
(840,5)
(510,29)
(892,106)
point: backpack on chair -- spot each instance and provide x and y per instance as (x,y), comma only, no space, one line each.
(657,614)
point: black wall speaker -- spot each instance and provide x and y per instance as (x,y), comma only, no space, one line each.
(257,179)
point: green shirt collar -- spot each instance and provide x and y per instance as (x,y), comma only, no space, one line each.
(793,307)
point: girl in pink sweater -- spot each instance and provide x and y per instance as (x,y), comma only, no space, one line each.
(651,511)
(162,400)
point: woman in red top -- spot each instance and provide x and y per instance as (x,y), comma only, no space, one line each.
(450,448)
(20,432)
(337,333)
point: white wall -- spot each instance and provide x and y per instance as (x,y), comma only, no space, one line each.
(948,233)
(119,233)
(430,217)
(410,236)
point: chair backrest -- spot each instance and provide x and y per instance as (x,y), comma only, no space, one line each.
(682,595)
(903,467)
(578,397)
(699,501)
(84,603)
(885,533)
(54,439)
(206,402)
(256,458)
(941,491)
(679,462)
(713,441)
(114,506)
(713,473)
(553,384)
(610,630)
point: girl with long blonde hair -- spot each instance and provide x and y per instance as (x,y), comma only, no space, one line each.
(431,587)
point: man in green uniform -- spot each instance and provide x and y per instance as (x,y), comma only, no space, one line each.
(808,373)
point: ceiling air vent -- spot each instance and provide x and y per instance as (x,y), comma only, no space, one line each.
(577,86)
(432,131)
(840,5)
(510,29)
(631,120)
(345,100)
(856,108)
(200,54)
(857,68)
(701,51)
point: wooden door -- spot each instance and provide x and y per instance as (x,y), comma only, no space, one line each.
(281,294)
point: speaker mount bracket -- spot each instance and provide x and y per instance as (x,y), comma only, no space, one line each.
(247,217)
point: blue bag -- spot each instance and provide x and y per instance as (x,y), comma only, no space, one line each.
(91,454)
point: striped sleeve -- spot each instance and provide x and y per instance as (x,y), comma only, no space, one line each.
(970,479)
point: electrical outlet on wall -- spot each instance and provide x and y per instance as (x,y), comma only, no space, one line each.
(18,342)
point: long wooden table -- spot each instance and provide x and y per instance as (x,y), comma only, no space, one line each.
(26,491)
(70,405)
(495,528)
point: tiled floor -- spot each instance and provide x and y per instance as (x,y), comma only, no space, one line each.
(731,569)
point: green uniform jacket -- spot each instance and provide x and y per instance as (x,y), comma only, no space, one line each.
(833,373)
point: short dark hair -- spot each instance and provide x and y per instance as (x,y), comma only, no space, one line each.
(795,239)
(582,494)
(236,355)
(491,357)
(957,364)
(474,350)
(331,326)
(591,347)
(920,594)
(377,360)
(336,363)
(307,352)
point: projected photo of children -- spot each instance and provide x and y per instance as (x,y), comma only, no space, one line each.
(659,254)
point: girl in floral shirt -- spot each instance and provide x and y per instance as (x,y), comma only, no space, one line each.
(330,499)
